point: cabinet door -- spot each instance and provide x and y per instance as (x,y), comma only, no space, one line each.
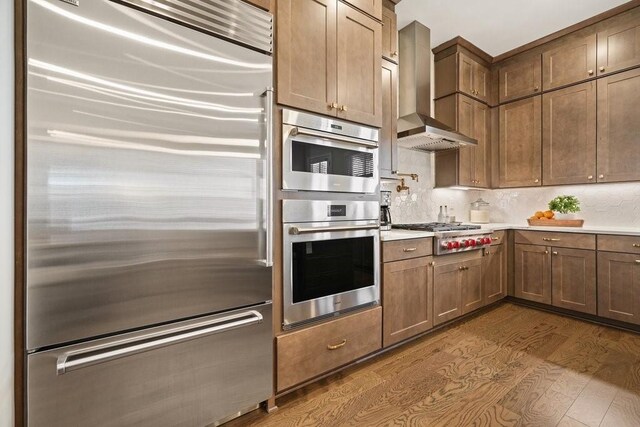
(389,35)
(371,7)
(481,80)
(466,154)
(447,294)
(481,126)
(388,146)
(306,54)
(359,62)
(619,48)
(262,4)
(471,286)
(407,298)
(466,69)
(494,274)
(569,63)
(520,79)
(573,278)
(619,127)
(520,153)
(619,286)
(569,135)
(533,273)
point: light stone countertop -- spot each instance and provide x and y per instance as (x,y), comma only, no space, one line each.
(390,235)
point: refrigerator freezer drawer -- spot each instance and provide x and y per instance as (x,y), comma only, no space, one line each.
(191,373)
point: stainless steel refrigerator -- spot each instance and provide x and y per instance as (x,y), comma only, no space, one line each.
(148,297)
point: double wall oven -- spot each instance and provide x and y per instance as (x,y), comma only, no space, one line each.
(331,236)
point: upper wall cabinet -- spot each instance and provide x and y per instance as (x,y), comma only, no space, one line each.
(262,4)
(473,78)
(371,7)
(388,145)
(569,63)
(619,127)
(329,59)
(389,35)
(520,149)
(618,48)
(520,78)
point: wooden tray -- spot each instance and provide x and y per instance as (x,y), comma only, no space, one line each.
(556,222)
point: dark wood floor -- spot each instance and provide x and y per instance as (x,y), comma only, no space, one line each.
(509,366)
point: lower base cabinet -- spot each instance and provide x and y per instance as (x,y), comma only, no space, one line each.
(533,273)
(407,292)
(619,286)
(309,352)
(494,273)
(573,279)
(471,286)
(457,287)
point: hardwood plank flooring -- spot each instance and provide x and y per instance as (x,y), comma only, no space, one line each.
(511,366)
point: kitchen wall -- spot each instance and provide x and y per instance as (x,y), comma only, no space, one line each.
(6,213)
(602,204)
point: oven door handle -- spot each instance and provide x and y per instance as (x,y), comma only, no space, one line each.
(299,230)
(340,138)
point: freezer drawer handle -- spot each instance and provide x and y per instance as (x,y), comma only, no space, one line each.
(333,137)
(300,230)
(95,355)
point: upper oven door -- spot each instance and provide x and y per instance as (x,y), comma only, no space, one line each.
(321,161)
(329,267)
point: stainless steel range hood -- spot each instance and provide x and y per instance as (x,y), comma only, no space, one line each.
(417,130)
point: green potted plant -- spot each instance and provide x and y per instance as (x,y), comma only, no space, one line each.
(565,207)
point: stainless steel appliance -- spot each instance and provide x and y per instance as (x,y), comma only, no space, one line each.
(385,210)
(326,154)
(148,296)
(450,238)
(331,258)
(417,130)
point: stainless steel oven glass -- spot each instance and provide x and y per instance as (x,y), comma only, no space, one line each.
(324,154)
(331,258)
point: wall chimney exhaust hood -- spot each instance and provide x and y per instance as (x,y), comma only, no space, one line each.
(417,130)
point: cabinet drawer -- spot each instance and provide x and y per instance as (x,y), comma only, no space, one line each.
(310,352)
(406,249)
(559,240)
(498,237)
(627,244)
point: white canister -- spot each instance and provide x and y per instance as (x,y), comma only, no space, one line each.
(479,213)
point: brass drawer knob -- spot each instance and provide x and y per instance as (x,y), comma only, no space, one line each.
(394,53)
(536,180)
(337,346)
(590,72)
(554,253)
(343,108)
(546,252)
(638,261)
(600,176)
(333,105)
(601,68)
(535,89)
(590,177)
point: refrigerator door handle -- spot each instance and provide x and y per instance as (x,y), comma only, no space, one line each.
(270,140)
(83,358)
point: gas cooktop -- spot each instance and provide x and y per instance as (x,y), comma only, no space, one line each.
(435,227)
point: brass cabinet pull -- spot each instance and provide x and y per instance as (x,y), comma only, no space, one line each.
(536,180)
(535,89)
(549,239)
(463,268)
(343,108)
(333,105)
(394,53)
(495,237)
(601,68)
(636,245)
(590,177)
(638,261)
(600,176)
(336,346)
(554,253)
(590,72)
(546,252)
(432,263)
(410,249)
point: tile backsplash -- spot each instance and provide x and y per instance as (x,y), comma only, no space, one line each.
(602,204)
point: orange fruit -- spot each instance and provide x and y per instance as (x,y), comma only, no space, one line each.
(539,214)
(548,214)
(545,218)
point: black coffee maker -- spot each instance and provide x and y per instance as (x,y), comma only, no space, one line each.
(385,212)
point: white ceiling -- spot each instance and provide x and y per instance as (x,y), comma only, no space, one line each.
(497,26)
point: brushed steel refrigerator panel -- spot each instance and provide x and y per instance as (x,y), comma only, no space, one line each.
(195,381)
(146,172)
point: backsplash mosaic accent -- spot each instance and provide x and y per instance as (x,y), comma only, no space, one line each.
(602,204)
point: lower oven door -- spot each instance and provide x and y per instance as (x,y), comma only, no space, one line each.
(329,268)
(317,161)
(191,373)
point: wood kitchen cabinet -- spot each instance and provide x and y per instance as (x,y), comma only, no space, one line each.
(520,143)
(388,143)
(494,273)
(370,7)
(329,60)
(619,127)
(407,295)
(569,135)
(262,4)
(457,287)
(389,35)
(467,166)
(619,48)
(533,273)
(571,62)
(520,78)
(471,286)
(573,278)
(619,286)
(461,73)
